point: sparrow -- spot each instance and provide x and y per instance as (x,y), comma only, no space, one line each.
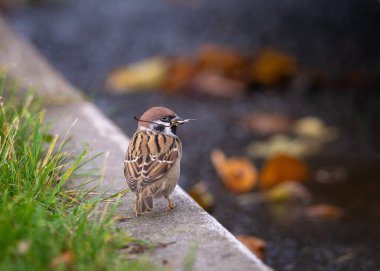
(152,161)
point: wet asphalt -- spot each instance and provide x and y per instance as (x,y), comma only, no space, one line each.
(86,39)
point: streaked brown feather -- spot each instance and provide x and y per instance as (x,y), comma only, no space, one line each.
(150,155)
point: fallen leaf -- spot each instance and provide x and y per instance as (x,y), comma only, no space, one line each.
(120,218)
(238,174)
(224,61)
(271,67)
(316,129)
(66,258)
(297,147)
(214,84)
(145,75)
(135,248)
(180,72)
(324,212)
(289,191)
(201,194)
(281,168)
(267,123)
(255,245)
(310,134)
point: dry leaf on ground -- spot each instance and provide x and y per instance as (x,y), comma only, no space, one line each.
(201,194)
(281,168)
(316,129)
(289,191)
(224,61)
(311,133)
(297,147)
(120,218)
(324,212)
(214,84)
(255,245)
(267,123)
(271,66)
(144,75)
(238,174)
(180,72)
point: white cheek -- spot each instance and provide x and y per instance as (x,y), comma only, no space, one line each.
(168,131)
(161,123)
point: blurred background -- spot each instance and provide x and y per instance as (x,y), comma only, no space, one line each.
(285,149)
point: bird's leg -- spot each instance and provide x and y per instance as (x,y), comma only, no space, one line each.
(135,210)
(137,213)
(171,204)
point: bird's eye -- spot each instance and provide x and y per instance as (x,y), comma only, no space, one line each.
(165,118)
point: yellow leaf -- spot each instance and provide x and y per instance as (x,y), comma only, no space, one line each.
(288,191)
(200,193)
(145,75)
(315,128)
(278,143)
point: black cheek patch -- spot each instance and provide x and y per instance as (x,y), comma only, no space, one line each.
(173,128)
(159,128)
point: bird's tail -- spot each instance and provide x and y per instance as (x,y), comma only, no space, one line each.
(144,202)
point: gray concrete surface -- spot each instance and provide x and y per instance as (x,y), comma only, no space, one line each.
(21,60)
(188,225)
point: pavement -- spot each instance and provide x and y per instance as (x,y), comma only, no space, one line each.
(186,229)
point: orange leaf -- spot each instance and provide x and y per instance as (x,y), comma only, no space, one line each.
(238,174)
(255,245)
(224,61)
(281,168)
(180,72)
(271,66)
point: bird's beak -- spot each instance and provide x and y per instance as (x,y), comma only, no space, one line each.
(178,121)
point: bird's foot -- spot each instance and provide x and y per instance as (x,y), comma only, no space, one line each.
(170,206)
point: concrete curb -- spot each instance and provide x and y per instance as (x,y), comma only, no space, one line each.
(186,225)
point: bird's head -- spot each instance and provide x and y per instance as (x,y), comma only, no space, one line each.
(160,119)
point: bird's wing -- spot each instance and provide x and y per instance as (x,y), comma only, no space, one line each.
(150,155)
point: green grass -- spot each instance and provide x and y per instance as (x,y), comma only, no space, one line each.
(42,226)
